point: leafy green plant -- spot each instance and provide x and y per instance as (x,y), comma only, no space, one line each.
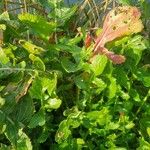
(52,97)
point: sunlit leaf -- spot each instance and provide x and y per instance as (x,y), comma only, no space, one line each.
(112,88)
(37,62)
(53,103)
(31,48)
(23,142)
(39,25)
(98,64)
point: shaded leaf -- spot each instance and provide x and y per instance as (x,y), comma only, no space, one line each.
(38,119)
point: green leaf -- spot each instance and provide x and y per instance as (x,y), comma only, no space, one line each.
(49,83)
(112,88)
(102,117)
(121,77)
(37,62)
(4,16)
(82,82)
(24,110)
(122,41)
(100,85)
(36,89)
(53,103)
(38,119)
(144,145)
(143,75)
(11,132)
(38,24)
(23,143)
(135,95)
(44,135)
(98,64)
(31,48)
(41,85)
(137,43)
(70,66)
(3,58)
(134,49)
(63,132)
(130,125)
(63,14)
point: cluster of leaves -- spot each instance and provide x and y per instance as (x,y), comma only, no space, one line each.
(51,97)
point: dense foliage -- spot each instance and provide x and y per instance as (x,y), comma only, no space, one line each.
(52,97)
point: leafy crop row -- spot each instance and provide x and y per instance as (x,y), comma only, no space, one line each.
(52,97)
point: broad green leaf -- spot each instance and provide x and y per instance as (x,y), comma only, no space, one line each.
(70,66)
(31,48)
(121,77)
(144,145)
(112,88)
(130,125)
(73,49)
(23,143)
(122,41)
(38,24)
(112,126)
(73,122)
(82,82)
(63,132)
(36,89)
(11,132)
(41,85)
(137,43)
(24,110)
(102,117)
(74,110)
(135,95)
(10,104)
(135,47)
(49,83)
(44,135)
(143,75)
(4,16)
(38,119)
(98,64)
(100,85)
(37,62)
(53,103)
(63,14)
(3,58)
(80,141)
